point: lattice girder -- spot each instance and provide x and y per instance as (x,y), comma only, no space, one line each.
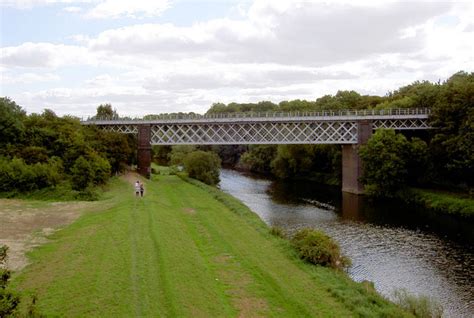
(262,132)
(337,132)
(401,124)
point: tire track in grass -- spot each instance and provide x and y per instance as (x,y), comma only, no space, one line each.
(163,280)
(133,255)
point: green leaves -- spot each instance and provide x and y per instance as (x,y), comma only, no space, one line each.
(203,166)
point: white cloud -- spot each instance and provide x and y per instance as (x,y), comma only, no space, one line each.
(301,33)
(129,8)
(45,55)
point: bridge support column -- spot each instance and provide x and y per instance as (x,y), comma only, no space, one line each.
(352,168)
(144,150)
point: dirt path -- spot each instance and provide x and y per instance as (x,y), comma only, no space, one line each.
(25,224)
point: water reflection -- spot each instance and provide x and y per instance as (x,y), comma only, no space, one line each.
(391,244)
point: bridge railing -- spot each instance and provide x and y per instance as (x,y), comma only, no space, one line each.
(323,113)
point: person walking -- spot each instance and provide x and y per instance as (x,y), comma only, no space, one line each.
(142,189)
(137,188)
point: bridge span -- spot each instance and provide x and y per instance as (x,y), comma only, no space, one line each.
(349,128)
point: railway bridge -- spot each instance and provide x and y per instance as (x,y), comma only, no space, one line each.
(349,128)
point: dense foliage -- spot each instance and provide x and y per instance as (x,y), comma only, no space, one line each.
(43,150)
(203,166)
(389,160)
(318,248)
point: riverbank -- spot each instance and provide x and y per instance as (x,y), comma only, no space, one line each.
(441,202)
(185,249)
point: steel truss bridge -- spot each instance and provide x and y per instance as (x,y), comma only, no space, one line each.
(341,127)
(348,128)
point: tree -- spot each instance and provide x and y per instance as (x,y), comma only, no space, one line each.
(11,122)
(105,111)
(179,152)
(203,166)
(384,159)
(258,158)
(162,154)
(452,146)
(82,174)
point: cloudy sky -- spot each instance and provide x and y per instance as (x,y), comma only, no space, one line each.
(154,56)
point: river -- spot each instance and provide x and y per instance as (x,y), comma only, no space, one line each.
(391,244)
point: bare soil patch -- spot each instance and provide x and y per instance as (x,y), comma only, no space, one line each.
(25,224)
(189,211)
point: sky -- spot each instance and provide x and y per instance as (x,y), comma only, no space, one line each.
(161,56)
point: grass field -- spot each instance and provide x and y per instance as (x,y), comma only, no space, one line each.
(184,250)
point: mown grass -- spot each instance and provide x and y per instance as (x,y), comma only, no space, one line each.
(184,250)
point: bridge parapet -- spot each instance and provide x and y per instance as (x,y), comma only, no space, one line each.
(369,114)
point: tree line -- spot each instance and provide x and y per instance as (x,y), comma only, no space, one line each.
(46,151)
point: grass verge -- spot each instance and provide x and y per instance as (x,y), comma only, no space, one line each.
(441,202)
(184,250)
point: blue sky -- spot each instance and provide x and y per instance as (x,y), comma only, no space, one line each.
(158,56)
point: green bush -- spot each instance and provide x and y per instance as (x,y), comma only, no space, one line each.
(8,300)
(278,231)
(100,167)
(82,174)
(318,248)
(203,166)
(16,175)
(420,306)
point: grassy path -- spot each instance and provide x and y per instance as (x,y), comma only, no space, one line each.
(184,251)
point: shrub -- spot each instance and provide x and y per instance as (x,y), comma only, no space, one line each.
(277,231)
(82,174)
(8,300)
(203,166)
(420,306)
(100,168)
(16,175)
(318,248)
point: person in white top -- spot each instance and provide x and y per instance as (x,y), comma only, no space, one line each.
(137,188)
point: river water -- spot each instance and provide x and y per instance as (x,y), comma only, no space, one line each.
(391,244)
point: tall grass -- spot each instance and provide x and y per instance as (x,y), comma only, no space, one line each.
(420,306)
